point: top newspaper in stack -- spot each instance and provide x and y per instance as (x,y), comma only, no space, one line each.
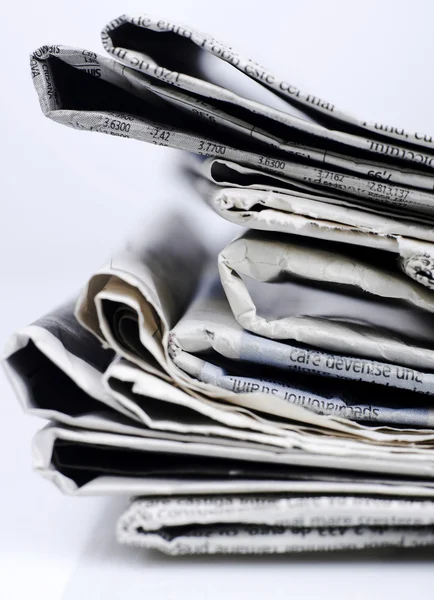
(156,96)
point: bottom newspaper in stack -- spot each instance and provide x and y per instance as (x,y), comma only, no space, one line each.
(281,406)
(278,523)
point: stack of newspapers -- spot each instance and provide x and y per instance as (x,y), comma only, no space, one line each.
(276,398)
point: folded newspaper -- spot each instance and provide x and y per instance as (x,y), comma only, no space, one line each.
(278,398)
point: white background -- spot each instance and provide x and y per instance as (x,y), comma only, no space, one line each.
(69,197)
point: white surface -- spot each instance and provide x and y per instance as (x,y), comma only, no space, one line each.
(49,545)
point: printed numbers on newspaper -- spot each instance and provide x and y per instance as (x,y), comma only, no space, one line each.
(387,190)
(116,127)
(328,176)
(210,148)
(161,137)
(271,162)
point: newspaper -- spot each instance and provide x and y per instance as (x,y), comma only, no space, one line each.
(268,207)
(140,31)
(209,330)
(269,524)
(86,461)
(136,97)
(226,173)
(328,296)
